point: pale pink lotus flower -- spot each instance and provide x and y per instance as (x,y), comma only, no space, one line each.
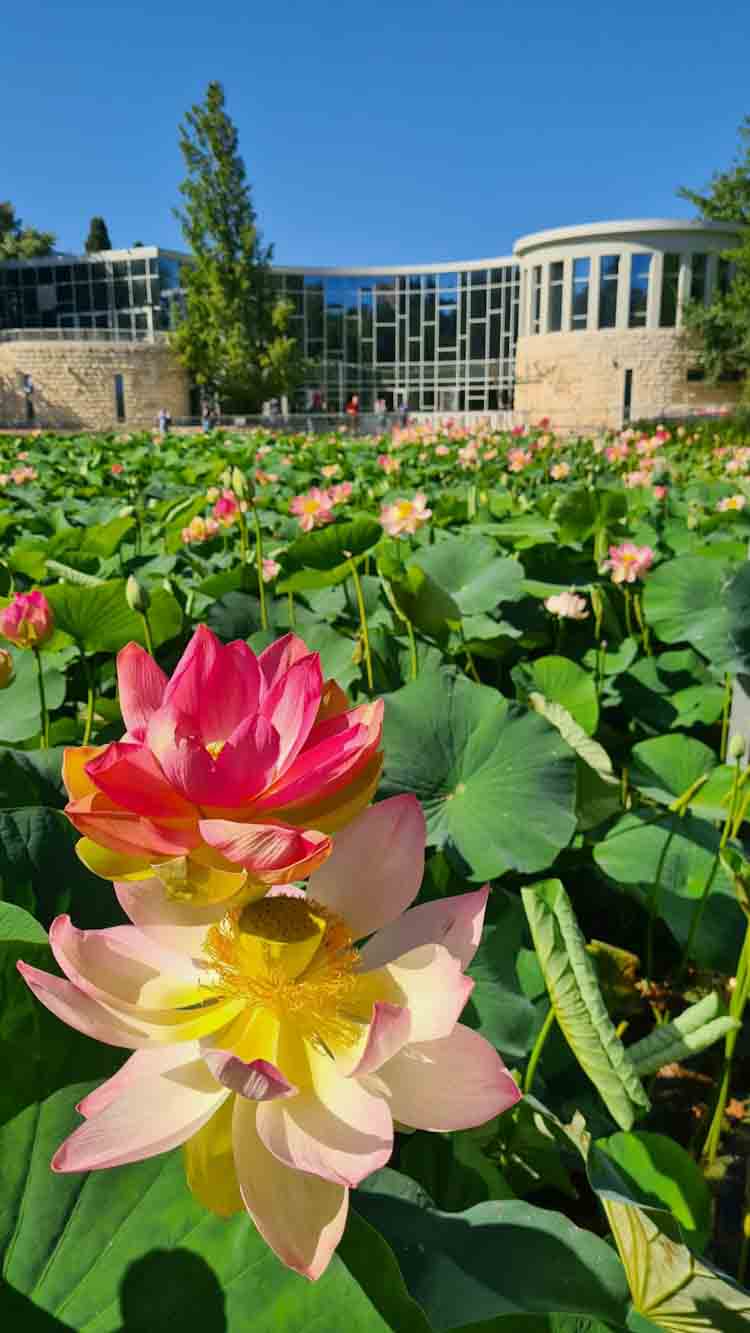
(28,621)
(731,502)
(117,469)
(313,509)
(23,455)
(19,475)
(628,562)
(389,464)
(287,461)
(468,456)
(212,494)
(638,478)
(226,508)
(567,606)
(489,455)
(230,775)
(263,450)
(272,1044)
(405,516)
(264,479)
(199,530)
(271,568)
(330,470)
(442,450)
(6,668)
(559,471)
(518,459)
(340,492)
(617,453)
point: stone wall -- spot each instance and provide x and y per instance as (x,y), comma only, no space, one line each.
(74,383)
(578,379)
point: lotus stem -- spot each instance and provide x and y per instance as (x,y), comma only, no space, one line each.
(148,636)
(259,569)
(700,906)
(292,611)
(538,1047)
(736,1010)
(90,698)
(725,717)
(362,623)
(44,742)
(653,906)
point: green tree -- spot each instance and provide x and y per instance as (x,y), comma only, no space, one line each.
(722,329)
(19,242)
(98,237)
(231,337)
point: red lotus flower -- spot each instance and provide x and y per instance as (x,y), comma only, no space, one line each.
(231,774)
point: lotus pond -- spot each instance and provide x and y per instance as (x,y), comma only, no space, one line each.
(558,629)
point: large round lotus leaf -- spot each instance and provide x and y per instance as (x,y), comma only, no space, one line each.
(496,781)
(654,1171)
(684,603)
(737,596)
(665,767)
(470,569)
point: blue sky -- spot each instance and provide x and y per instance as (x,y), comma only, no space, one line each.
(387,133)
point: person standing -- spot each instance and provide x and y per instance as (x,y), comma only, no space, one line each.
(352,411)
(403,414)
(165,421)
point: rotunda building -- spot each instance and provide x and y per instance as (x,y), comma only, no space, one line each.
(601,339)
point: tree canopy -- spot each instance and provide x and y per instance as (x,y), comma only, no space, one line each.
(19,242)
(722,329)
(231,336)
(98,237)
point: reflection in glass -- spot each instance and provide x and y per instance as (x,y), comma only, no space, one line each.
(580,294)
(536,298)
(640,267)
(555,297)
(670,279)
(609,277)
(698,274)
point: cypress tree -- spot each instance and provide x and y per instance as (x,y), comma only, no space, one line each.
(98,237)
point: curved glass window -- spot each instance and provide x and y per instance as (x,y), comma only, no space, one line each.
(579,307)
(640,268)
(609,278)
(669,283)
(555,297)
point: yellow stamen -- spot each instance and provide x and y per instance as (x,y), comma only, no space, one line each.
(294,959)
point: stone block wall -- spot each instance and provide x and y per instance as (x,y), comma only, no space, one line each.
(578,379)
(74,383)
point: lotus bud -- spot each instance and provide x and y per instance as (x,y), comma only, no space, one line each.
(736,747)
(6,669)
(28,621)
(137,595)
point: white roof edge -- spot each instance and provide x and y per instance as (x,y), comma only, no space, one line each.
(393,270)
(623,227)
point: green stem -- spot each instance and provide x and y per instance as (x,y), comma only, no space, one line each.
(471,668)
(645,638)
(736,1010)
(292,611)
(653,907)
(44,743)
(242,523)
(537,1049)
(259,564)
(700,906)
(628,613)
(725,717)
(90,697)
(412,649)
(148,636)
(362,623)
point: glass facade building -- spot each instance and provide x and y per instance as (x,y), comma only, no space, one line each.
(434,338)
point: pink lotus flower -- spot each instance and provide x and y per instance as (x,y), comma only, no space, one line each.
(442,450)
(567,606)
(341,492)
(518,430)
(389,464)
(330,470)
(313,509)
(270,569)
(638,478)
(518,459)
(6,668)
(617,453)
(489,454)
(21,474)
(117,469)
(200,530)
(230,774)
(226,508)
(730,503)
(22,454)
(28,621)
(628,562)
(559,471)
(271,1044)
(405,516)
(660,492)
